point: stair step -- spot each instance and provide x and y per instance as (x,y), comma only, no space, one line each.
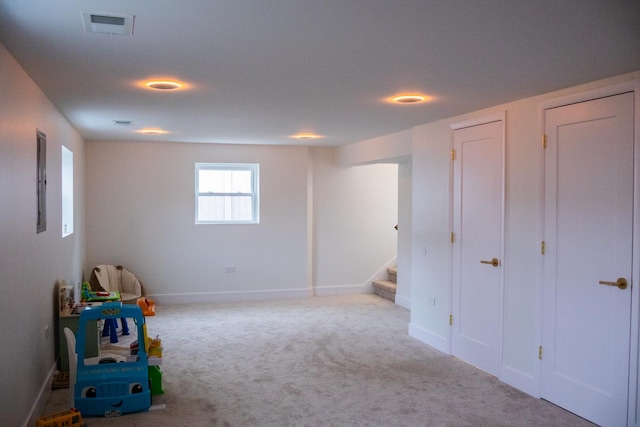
(393,274)
(385,289)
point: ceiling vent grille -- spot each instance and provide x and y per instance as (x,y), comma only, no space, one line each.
(124,122)
(103,23)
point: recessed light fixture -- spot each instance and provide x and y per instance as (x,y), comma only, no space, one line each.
(305,136)
(410,99)
(152,131)
(163,85)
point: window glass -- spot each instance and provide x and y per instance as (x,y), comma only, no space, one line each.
(226,193)
(67,192)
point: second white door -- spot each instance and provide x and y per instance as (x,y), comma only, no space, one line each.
(588,227)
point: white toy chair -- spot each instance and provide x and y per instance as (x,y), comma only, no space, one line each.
(118,278)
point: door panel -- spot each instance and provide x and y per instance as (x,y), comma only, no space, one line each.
(478,207)
(588,235)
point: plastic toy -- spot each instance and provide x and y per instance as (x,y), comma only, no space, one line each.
(89,295)
(70,418)
(147,306)
(111,326)
(112,389)
(154,349)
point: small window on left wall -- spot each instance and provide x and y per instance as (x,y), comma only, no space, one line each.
(41,181)
(67,191)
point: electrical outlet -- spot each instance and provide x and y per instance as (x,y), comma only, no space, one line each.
(432,300)
(231,269)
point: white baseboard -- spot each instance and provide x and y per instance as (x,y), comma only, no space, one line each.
(429,338)
(381,274)
(524,382)
(322,291)
(187,298)
(41,399)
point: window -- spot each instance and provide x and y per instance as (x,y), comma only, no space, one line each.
(41,180)
(227,193)
(67,192)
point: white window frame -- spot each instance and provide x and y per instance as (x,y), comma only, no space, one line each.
(254,168)
(67,192)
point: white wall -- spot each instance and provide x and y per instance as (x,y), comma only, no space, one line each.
(431,228)
(391,149)
(430,241)
(355,211)
(394,148)
(31,265)
(405,186)
(140,214)
(431,256)
(320,226)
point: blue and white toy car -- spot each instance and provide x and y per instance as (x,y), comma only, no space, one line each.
(112,389)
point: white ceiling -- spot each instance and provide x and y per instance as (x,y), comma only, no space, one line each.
(261,70)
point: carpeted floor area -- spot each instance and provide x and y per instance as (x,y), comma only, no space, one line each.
(322,361)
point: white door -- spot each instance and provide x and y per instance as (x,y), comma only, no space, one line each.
(477,265)
(588,245)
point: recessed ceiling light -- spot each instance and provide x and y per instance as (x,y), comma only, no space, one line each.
(149,131)
(163,85)
(410,99)
(306,136)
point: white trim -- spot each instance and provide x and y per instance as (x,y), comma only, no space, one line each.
(41,399)
(429,338)
(194,297)
(590,95)
(634,354)
(481,120)
(522,381)
(364,288)
(381,274)
(341,290)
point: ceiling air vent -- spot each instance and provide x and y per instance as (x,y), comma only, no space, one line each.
(124,122)
(103,23)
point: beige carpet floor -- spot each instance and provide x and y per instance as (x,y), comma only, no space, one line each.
(322,361)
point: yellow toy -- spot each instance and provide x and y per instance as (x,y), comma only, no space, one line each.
(70,418)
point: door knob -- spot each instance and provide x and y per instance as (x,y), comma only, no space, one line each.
(621,283)
(494,262)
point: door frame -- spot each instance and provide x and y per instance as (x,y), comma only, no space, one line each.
(500,116)
(633,417)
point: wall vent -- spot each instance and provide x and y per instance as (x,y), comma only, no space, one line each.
(124,122)
(104,23)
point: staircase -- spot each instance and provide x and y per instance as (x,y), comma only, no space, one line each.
(387,288)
